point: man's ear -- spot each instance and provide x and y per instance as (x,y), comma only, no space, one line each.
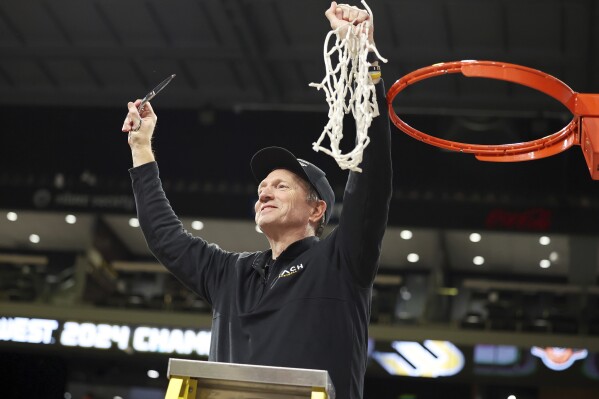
(318,210)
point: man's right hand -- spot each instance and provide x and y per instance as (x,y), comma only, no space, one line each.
(140,127)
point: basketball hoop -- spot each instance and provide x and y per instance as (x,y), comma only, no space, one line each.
(581,130)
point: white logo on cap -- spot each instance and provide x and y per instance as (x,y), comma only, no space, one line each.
(302,162)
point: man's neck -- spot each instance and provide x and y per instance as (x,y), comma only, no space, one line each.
(280,242)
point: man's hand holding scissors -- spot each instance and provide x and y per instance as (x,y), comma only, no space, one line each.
(140,123)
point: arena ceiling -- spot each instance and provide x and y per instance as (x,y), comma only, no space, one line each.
(263,53)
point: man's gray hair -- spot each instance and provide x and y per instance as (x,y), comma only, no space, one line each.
(312,197)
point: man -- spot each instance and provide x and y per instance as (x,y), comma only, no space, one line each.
(305,302)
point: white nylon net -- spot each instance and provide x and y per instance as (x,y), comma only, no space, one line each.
(348,88)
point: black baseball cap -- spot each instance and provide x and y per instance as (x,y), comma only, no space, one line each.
(270,158)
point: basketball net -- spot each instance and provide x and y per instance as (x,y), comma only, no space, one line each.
(348,88)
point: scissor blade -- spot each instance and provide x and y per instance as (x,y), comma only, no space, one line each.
(156,90)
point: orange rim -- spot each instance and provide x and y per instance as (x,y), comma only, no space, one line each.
(540,148)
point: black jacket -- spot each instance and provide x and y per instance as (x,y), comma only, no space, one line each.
(314,308)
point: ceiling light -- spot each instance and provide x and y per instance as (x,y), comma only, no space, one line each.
(553,256)
(413,258)
(447,291)
(258,229)
(544,240)
(133,222)
(153,374)
(34,238)
(12,216)
(70,219)
(540,323)
(473,318)
(475,237)
(511,397)
(406,234)
(405,294)
(545,263)
(197,225)
(478,260)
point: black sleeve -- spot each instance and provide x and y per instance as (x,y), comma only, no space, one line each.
(366,200)
(200,266)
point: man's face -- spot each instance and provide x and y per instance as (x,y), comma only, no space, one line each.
(282,202)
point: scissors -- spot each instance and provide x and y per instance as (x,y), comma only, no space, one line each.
(155,91)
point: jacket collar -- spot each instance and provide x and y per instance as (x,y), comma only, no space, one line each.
(298,247)
(291,252)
